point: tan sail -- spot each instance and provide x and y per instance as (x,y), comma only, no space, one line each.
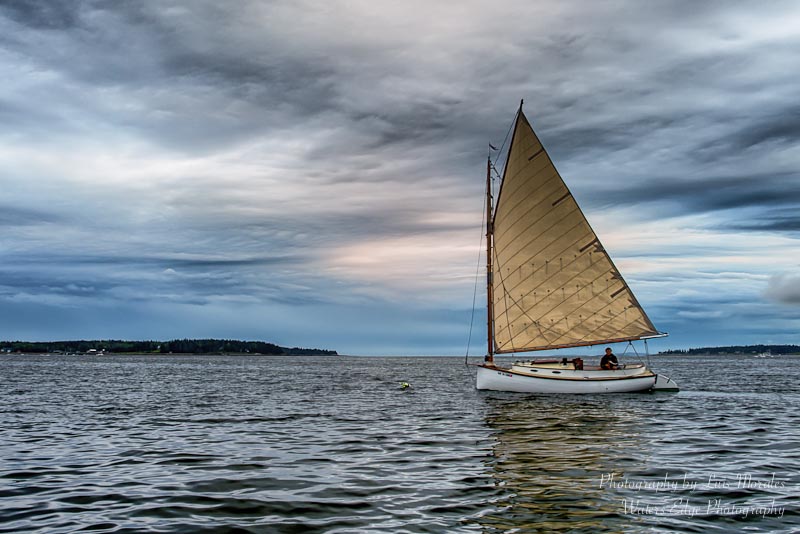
(554,285)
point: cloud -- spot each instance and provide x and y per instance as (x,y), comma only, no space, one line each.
(784,288)
(41,14)
(15,216)
(308,156)
(708,314)
(775,220)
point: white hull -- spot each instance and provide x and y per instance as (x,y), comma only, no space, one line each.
(499,379)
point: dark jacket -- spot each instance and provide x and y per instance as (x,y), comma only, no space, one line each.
(609,361)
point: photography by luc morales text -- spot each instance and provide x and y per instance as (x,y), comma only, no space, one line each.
(685,504)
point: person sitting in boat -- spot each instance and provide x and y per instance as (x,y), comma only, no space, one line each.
(609,361)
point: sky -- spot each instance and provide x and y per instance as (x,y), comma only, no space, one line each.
(312,173)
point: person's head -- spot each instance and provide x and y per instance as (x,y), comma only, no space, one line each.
(608,350)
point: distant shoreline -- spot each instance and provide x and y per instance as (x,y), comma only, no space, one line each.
(112,354)
(175,346)
(734,350)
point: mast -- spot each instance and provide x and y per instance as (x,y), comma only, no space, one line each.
(489,282)
(489,240)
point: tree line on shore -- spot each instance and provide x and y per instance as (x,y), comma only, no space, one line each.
(739,349)
(175,346)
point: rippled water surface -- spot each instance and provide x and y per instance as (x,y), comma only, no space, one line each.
(332,444)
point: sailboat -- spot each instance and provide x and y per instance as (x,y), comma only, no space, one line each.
(552,285)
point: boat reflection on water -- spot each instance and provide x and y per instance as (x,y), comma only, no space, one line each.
(549,456)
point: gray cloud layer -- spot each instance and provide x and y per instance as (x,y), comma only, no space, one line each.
(194,153)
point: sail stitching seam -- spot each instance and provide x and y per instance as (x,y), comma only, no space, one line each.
(554,179)
(511,336)
(574,310)
(604,324)
(539,269)
(544,200)
(580,344)
(581,340)
(525,166)
(621,329)
(568,314)
(536,153)
(542,233)
(505,303)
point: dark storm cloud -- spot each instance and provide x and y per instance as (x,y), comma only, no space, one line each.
(64,281)
(367,223)
(710,193)
(307,85)
(178,262)
(198,87)
(596,140)
(42,14)
(18,216)
(784,288)
(191,152)
(698,188)
(28,116)
(282,81)
(775,220)
(36,281)
(770,224)
(184,94)
(782,126)
(417,122)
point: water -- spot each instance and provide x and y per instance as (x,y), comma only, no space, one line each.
(332,444)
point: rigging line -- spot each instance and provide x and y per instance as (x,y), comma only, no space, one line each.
(496,174)
(475,289)
(630,344)
(506,296)
(500,151)
(636,352)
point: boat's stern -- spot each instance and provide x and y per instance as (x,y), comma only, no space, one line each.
(665,383)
